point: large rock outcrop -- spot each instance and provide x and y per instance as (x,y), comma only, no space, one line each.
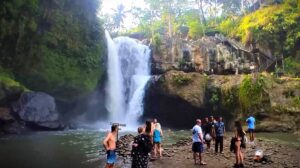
(177,99)
(38,110)
(210,54)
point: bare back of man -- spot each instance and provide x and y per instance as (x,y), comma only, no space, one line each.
(110,147)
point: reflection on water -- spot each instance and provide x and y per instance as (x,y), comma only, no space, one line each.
(80,148)
(52,149)
(282,138)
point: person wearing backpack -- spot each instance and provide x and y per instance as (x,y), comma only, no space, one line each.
(142,147)
(239,146)
(220,131)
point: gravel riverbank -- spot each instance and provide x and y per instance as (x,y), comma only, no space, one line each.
(179,155)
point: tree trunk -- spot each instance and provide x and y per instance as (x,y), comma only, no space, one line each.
(201,15)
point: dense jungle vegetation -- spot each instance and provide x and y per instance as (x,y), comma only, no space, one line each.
(53,46)
(272,24)
(59,46)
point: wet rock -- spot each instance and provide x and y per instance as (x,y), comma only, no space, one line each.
(5,114)
(38,110)
(123,145)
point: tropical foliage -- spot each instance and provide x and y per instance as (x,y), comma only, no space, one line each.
(275,27)
(53,46)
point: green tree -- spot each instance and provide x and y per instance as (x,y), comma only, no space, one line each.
(52,46)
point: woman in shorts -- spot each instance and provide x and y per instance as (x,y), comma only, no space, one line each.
(157,136)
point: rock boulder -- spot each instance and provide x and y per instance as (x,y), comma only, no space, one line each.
(38,110)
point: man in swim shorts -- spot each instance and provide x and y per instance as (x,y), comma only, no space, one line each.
(110,146)
(198,142)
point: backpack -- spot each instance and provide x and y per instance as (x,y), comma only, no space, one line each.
(244,141)
(145,144)
(232,144)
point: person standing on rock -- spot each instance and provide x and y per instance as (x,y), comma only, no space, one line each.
(239,138)
(220,131)
(198,142)
(251,125)
(135,152)
(143,146)
(109,144)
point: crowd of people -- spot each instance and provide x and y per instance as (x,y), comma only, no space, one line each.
(213,130)
(148,142)
(145,145)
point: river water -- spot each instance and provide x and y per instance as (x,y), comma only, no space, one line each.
(80,148)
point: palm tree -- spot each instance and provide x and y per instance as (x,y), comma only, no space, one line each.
(119,16)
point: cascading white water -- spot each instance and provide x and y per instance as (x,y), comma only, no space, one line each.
(128,73)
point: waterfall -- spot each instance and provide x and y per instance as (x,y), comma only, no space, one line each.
(128,73)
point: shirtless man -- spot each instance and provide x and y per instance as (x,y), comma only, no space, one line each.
(110,146)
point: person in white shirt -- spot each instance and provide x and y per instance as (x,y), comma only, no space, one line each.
(198,142)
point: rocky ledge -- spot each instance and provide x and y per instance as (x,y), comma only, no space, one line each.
(176,98)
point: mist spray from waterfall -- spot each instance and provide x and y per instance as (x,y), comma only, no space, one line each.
(128,73)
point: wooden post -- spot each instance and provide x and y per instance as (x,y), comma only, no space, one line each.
(119,125)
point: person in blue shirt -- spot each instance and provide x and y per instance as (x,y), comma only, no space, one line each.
(220,131)
(157,137)
(251,126)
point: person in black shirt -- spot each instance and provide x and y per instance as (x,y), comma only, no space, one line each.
(207,132)
(141,147)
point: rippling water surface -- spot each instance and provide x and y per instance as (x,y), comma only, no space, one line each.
(74,149)
(80,148)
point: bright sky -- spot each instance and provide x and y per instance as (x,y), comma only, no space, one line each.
(108,5)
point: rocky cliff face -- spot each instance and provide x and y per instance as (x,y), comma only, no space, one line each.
(177,99)
(210,54)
